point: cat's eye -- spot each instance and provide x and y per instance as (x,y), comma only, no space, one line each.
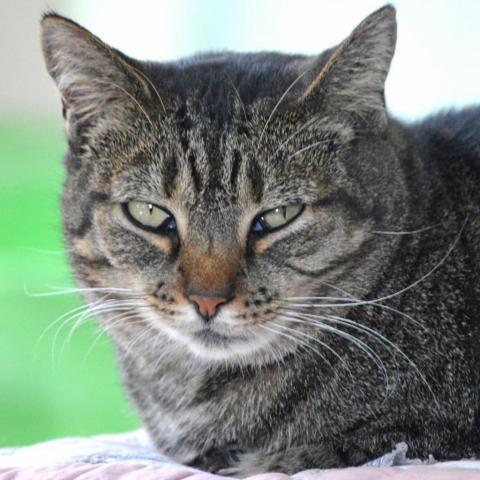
(276,218)
(149,216)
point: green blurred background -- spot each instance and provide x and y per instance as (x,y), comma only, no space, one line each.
(50,386)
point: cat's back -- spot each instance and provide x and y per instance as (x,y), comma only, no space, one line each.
(451,139)
(448,187)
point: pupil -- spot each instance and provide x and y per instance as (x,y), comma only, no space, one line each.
(171,224)
(258,227)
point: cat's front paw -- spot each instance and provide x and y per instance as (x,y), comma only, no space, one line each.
(217,461)
(287,461)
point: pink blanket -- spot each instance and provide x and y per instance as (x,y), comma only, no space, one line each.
(127,471)
(131,457)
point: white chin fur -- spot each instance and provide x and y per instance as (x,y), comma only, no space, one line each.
(255,348)
(243,351)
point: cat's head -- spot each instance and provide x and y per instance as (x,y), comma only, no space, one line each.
(202,196)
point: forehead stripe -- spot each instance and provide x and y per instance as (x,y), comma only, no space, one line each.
(254,174)
(236,162)
(169,174)
(195,174)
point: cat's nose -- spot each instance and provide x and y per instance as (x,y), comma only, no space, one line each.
(207,306)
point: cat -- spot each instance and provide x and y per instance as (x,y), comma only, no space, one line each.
(289,275)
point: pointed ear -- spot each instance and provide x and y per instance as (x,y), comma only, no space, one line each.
(93,78)
(352,78)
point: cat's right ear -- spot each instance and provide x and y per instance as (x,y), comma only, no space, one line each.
(93,78)
(349,80)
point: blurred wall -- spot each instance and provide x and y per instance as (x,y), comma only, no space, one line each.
(437,62)
(25,89)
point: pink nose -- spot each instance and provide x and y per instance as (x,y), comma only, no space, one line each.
(207,306)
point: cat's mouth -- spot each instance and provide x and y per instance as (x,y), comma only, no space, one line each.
(209,336)
(222,338)
(219,341)
(210,343)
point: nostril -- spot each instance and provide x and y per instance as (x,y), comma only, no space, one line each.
(207,306)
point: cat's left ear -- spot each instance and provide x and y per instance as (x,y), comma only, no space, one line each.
(94,80)
(351,80)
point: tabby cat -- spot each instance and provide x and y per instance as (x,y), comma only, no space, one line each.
(289,275)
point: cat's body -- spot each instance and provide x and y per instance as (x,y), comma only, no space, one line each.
(193,409)
(350,327)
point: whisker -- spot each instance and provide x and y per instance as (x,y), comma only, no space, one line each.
(303,334)
(407,232)
(52,324)
(308,348)
(382,339)
(322,344)
(237,93)
(109,307)
(85,312)
(67,317)
(302,345)
(137,338)
(41,250)
(354,302)
(355,325)
(292,136)
(285,93)
(341,290)
(308,147)
(316,340)
(80,314)
(104,329)
(145,77)
(354,340)
(403,290)
(128,94)
(390,344)
(309,316)
(73,290)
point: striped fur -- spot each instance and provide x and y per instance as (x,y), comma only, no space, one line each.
(351,329)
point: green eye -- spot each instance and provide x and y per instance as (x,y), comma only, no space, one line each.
(149,216)
(276,218)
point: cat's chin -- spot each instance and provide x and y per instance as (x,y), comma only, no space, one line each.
(210,344)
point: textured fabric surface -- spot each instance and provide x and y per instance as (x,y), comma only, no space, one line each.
(132,457)
(128,471)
